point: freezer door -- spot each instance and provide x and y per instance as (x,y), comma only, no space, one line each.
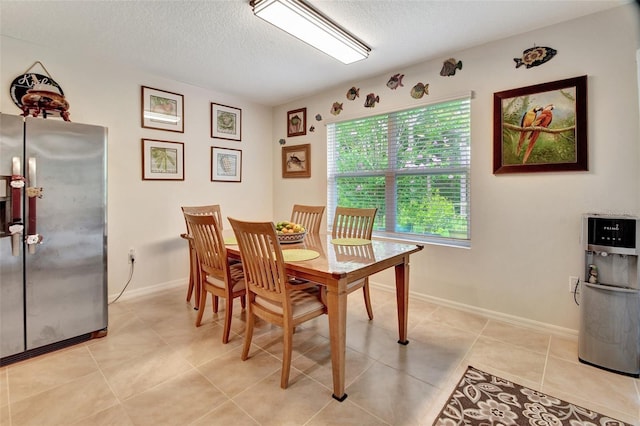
(66,280)
(11,276)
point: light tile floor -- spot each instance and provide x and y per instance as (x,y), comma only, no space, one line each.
(156,368)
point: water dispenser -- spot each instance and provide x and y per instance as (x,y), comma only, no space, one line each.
(609,335)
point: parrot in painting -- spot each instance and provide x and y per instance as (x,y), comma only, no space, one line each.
(543,120)
(527,120)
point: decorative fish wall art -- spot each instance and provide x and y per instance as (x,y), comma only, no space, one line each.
(449,67)
(534,56)
(336,108)
(419,90)
(353,93)
(371,100)
(395,81)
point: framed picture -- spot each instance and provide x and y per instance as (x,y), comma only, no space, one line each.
(162,110)
(162,160)
(226,122)
(297,122)
(296,161)
(541,128)
(226,164)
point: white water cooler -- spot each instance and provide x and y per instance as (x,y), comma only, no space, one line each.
(610,294)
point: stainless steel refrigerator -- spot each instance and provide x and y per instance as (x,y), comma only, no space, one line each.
(53,235)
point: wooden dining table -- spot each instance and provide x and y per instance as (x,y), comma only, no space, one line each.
(338,266)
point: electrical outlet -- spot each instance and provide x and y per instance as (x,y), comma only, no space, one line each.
(572,284)
(132,255)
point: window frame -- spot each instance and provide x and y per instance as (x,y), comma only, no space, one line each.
(392,174)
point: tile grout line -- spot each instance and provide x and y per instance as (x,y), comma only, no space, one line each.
(317,412)
(6,377)
(546,362)
(555,350)
(115,395)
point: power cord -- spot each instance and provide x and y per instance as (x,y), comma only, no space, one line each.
(133,261)
(575,292)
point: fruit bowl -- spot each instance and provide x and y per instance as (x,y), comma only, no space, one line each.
(289,232)
(290,238)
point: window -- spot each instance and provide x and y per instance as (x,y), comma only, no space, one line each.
(413,165)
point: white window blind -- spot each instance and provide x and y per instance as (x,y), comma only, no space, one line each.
(413,165)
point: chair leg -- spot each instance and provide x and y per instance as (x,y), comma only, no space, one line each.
(367,299)
(215,304)
(322,294)
(190,289)
(197,286)
(227,319)
(243,301)
(202,304)
(248,335)
(192,267)
(286,356)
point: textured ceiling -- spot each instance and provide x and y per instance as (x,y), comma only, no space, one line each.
(220,45)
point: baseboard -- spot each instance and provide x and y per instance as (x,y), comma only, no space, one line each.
(498,316)
(150,290)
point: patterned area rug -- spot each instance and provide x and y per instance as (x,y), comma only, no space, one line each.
(483,399)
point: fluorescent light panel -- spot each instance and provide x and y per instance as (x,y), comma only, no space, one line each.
(303,22)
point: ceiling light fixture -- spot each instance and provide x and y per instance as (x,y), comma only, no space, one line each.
(307,24)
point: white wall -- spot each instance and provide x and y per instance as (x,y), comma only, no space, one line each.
(525,227)
(146,215)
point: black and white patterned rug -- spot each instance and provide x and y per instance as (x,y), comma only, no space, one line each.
(484,399)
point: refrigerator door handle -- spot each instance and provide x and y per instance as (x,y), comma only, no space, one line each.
(16,227)
(33,193)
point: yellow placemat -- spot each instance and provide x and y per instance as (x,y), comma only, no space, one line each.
(230,241)
(293,255)
(350,241)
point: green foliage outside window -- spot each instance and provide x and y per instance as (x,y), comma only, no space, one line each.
(412,165)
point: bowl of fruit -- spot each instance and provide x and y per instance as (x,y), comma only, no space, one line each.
(289,232)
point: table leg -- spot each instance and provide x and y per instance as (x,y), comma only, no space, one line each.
(402,299)
(337,312)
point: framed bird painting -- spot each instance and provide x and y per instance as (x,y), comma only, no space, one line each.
(296,161)
(541,128)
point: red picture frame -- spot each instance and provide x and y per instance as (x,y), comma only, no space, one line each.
(297,122)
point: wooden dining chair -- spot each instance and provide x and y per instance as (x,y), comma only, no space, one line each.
(209,210)
(310,217)
(214,210)
(351,222)
(270,296)
(217,275)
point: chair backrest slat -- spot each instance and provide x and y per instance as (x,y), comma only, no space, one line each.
(310,217)
(209,210)
(209,243)
(353,222)
(262,258)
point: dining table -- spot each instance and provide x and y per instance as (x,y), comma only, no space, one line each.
(338,264)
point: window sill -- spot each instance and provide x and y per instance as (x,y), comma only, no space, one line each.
(463,244)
